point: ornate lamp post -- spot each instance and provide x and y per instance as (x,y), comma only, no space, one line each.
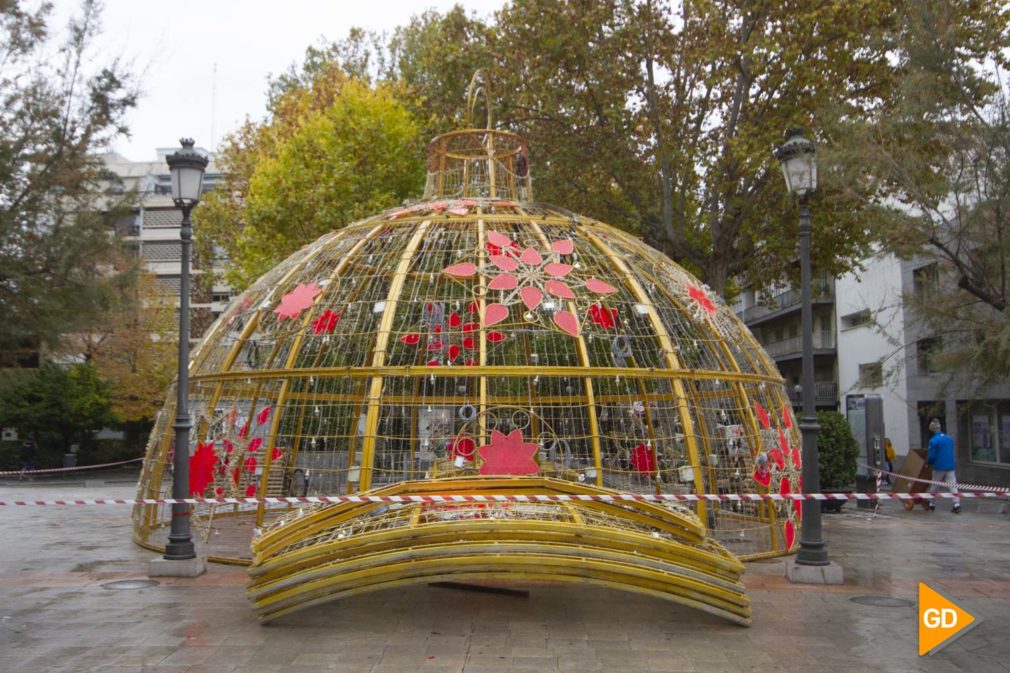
(799,166)
(187,167)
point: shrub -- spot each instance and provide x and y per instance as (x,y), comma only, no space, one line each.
(837,449)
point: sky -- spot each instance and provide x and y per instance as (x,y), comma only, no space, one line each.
(175,44)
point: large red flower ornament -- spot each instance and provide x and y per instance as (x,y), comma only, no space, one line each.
(508,454)
(529,277)
(699,296)
(201,468)
(296,301)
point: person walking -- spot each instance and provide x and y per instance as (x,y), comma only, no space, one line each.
(889,458)
(27,459)
(941,459)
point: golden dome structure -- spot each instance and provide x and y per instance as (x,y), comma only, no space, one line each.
(477,342)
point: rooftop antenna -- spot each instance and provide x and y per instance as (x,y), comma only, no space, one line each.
(213,108)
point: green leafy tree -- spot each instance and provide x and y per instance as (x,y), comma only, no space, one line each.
(68,402)
(55,119)
(940,159)
(332,152)
(837,449)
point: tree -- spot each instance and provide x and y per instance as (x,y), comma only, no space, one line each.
(941,161)
(54,220)
(70,402)
(331,152)
(133,348)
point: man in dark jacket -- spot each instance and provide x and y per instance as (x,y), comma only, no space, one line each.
(941,459)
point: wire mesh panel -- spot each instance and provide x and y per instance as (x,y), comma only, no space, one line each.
(427,340)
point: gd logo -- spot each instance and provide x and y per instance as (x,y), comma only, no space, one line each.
(940,621)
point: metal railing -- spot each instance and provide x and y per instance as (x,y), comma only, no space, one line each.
(825,393)
(823,290)
(822,340)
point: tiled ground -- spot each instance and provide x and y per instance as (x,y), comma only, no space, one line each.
(55,615)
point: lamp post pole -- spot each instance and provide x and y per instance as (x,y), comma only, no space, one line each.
(180,541)
(799,168)
(812,550)
(187,168)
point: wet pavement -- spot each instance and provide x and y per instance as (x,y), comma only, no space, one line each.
(58,612)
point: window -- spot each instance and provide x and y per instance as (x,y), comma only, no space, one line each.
(926,354)
(925,280)
(871,375)
(856,319)
(987,427)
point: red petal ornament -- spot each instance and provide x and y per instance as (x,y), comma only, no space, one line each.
(784,486)
(499,239)
(250,464)
(783,442)
(563,247)
(504,263)
(558,270)
(531,296)
(250,491)
(461,270)
(263,416)
(778,457)
(599,287)
(470,327)
(787,418)
(766,422)
(531,257)
(790,533)
(503,281)
(455,320)
(434,363)
(436,345)
(797,460)
(410,339)
(470,344)
(276,453)
(244,432)
(567,322)
(254,444)
(453,352)
(763,477)
(495,337)
(464,446)
(494,314)
(701,298)
(559,289)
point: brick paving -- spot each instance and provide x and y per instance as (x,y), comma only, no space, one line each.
(55,616)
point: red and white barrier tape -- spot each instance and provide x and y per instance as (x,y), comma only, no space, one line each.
(452,499)
(28,473)
(955,485)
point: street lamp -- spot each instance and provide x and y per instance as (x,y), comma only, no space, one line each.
(799,166)
(187,167)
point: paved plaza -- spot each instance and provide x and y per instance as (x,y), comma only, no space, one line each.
(56,615)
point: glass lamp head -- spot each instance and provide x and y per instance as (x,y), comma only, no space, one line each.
(187,167)
(799,163)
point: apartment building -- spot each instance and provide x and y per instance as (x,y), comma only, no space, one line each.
(773,316)
(153,231)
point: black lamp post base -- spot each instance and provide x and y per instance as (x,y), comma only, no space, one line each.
(830,573)
(179,550)
(164,567)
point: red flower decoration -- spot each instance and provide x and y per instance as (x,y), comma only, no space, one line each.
(699,296)
(766,422)
(201,468)
(296,301)
(604,317)
(250,490)
(263,416)
(254,444)
(508,454)
(642,459)
(326,323)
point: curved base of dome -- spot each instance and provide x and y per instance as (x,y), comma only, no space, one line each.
(335,551)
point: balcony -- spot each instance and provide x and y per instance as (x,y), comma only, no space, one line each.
(823,340)
(823,290)
(825,394)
